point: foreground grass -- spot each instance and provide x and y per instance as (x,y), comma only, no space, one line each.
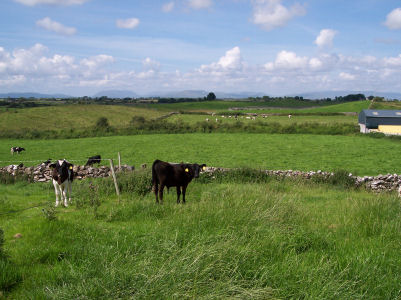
(360,155)
(278,239)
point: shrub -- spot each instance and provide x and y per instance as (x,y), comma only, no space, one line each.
(7,178)
(102,123)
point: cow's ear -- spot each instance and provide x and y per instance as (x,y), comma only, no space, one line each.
(52,165)
(203,166)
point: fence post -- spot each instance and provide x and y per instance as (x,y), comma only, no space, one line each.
(115,179)
(119,162)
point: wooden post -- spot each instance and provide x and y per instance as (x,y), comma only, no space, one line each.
(119,162)
(114,179)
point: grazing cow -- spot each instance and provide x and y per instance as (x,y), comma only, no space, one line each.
(17,149)
(289,116)
(62,175)
(47,162)
(178,175)
(93,160)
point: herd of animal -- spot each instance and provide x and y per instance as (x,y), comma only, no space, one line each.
(164,174)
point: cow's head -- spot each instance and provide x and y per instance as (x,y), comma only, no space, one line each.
(64,169)
(194,169)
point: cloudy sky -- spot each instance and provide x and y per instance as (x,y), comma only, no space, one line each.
(80,47)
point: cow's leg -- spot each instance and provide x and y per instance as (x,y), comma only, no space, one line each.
(161,187)
(57,191)
(184,189)
(156,190)
(64,194)
(68,189)
(178,194)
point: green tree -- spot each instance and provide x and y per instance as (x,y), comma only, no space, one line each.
(211,96)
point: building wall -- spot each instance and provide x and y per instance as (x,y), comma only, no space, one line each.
(390,129)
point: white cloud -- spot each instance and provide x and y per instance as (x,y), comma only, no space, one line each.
(230,62)
(393,20)
(52,2)
(287,60)
(127,23)
(346,76)
(270,14)
(200,4)
(56,27)
(150,64)
(37,69)
(168,7)
(325,38)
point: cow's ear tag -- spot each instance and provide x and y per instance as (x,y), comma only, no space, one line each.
(70,167)
(186,170)
(203,168)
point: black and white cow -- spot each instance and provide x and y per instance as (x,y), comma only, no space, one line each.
(16,149)
(62,175)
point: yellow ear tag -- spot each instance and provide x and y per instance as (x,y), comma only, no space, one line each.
(186,170)
(203,168)
(70,167)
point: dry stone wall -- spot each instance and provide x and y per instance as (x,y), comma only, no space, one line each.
(42,173)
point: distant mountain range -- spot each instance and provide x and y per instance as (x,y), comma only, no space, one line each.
(117,94)
(203,93)
(32,95)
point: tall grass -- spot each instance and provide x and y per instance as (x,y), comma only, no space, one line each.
(273,239)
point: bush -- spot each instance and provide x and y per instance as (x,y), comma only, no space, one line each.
(102,123)
(239,175)
(7,178)
(342,178)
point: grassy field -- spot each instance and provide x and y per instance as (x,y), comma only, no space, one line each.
(355,106)
(272,240)
(360,155)
(70,116)
(284,120)
(213,106)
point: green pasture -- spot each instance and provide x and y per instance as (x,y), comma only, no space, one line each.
(270,240)
(223,105)
(264,107)
(355,106)
(361,155)
(284,120)
(70,116)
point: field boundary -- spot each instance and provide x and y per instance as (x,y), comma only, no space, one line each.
(42,173)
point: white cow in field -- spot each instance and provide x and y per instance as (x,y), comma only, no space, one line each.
(62,175)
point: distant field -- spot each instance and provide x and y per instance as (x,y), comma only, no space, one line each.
(284,120)
(70,116)
(355,106)
(360,155)
(220,105)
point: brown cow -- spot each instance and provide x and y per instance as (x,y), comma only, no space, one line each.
(178,175)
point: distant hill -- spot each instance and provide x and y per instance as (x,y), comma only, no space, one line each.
(117,94)
(32,95)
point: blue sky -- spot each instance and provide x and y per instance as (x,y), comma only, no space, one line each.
(278,47)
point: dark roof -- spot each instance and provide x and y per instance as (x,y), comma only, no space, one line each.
(381,113)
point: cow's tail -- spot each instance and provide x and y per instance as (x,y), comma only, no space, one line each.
(154,176)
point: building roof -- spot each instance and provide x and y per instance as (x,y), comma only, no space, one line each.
(381,113)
